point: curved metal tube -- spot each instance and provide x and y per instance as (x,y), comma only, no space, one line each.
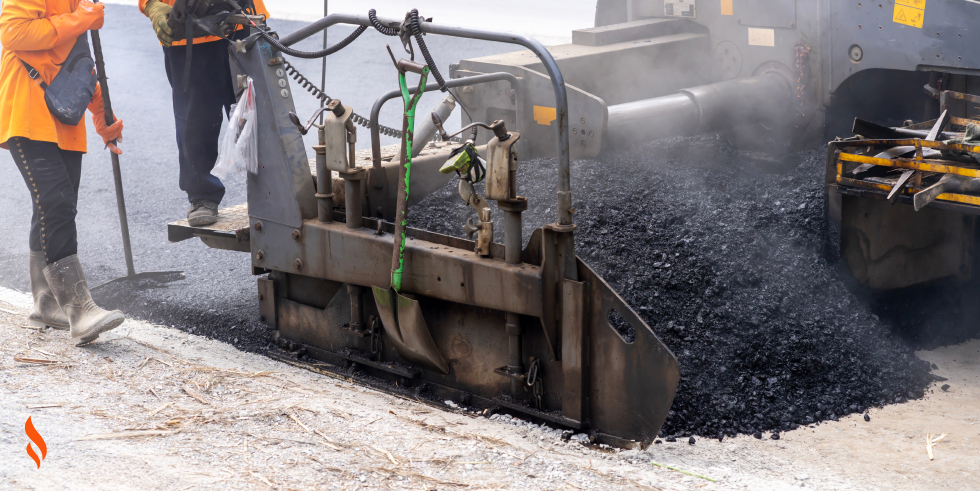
(456,82)
(557,81)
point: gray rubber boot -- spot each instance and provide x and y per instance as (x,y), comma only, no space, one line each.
(46,311)
(87,320)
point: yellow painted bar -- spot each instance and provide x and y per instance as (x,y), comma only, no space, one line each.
(911,164)
(955,198)
(911,143)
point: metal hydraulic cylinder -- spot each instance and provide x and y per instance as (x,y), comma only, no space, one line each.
(763,98)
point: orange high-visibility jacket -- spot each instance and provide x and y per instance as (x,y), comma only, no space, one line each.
(259,9)
(42,33)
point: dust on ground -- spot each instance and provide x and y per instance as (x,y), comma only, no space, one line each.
(157,408)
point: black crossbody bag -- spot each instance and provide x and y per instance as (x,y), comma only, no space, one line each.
(71,91)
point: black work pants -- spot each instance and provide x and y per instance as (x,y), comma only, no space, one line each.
(52,176)
(197,113)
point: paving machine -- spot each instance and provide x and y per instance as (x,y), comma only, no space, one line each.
(495,327)
(533,330)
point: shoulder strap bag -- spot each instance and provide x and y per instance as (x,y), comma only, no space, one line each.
(71,91)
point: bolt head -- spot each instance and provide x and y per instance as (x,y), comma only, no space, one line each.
(298,264)
(259,256)
(296,234)
(258,226)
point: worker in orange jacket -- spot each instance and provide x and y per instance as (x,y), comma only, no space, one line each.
(48,153)
(197,106)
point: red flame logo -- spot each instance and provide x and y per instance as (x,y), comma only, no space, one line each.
(36,438)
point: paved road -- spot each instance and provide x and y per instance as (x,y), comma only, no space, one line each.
(218,295)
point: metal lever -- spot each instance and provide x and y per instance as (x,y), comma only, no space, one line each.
(304,129)
(498,128)
(334,106)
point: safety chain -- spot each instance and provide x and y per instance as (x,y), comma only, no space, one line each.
(376,340)
(535,382)
(357,118)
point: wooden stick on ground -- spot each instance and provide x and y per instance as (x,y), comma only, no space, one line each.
(929,445)
(262,478)
(125,434)
(191,393)
(329,441)
(294,418)
(157,410)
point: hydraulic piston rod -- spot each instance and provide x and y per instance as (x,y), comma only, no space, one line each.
(761,98)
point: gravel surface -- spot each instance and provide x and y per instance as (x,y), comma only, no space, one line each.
(149,407)
(722,253)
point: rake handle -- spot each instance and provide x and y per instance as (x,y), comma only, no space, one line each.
(116,169)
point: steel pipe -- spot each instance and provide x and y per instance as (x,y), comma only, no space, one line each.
(557,81)
(764,97)
(456,82)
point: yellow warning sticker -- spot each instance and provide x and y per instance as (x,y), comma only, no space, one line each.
(910,14)
(545,115)
(727,8)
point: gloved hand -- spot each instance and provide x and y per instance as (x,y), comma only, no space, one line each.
(158,13)
(87,16)
(107,132)
(93,13)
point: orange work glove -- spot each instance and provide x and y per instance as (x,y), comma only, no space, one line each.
(107,132)
(94,13)
(87,16)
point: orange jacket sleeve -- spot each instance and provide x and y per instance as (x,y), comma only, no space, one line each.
(25,27)
(96,105)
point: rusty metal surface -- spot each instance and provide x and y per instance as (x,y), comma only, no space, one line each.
(402,319)
(631,384)
(267,301)
(361,257)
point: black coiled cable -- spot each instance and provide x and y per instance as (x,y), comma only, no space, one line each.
(383,29)
(313,54)
(416,26)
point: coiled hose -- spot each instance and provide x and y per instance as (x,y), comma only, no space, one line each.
(313,54)
(416,26)
(413,25)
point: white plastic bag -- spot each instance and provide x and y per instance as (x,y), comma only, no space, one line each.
(238,148)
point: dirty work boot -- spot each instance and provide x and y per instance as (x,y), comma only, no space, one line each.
(46,311)
(202,212)
(87,320)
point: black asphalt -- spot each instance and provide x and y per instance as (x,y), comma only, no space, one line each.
(218,296)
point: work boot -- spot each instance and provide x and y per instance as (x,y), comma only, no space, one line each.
(202,212)
(86,320)
(46,311)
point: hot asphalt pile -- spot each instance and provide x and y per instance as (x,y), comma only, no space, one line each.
(722,253)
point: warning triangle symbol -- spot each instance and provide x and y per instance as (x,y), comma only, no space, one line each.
(901,15)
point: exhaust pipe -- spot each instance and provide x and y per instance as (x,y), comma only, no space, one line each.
(714,107)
